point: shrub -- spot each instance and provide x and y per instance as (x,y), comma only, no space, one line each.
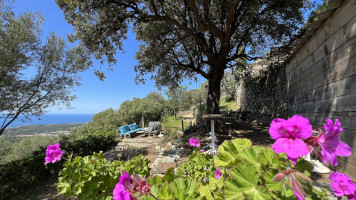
(19,174)
(93,177)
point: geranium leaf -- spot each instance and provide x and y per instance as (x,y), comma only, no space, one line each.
(228,152)
(64,188)
(252,155)
(232,190)
(244,179)
(257,193)
(164,192)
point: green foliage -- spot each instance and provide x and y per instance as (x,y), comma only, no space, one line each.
(176,97)
(228,152)
(54,64)
(314,15)
(85,144)
(247,173)
(252,169)
(199,166)
(149,108)
(30,153)
(93,177)
(230,105)
(177,188)
(18,175)
(107,120)
(25,148)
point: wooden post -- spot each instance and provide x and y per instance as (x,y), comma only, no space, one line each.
(182,126)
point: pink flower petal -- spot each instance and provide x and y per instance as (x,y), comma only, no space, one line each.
(281,145)
(343,149)
(276,128)
(125,179)
(218,174)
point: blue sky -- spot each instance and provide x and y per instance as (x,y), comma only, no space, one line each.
(94,95)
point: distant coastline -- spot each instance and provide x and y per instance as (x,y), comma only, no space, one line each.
(44,129)
(53,119)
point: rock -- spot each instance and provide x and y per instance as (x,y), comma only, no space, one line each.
(163,167)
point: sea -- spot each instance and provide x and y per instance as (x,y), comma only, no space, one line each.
(53,119)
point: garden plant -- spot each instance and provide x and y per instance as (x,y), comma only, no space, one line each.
(239,170)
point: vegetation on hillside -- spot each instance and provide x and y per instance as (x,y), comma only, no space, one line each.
(38,129)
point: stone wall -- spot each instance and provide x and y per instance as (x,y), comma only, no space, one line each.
(321,75)
(264,92)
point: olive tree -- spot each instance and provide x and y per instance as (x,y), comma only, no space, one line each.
(34,74)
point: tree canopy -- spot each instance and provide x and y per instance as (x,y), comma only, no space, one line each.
(183,38)
(54,67)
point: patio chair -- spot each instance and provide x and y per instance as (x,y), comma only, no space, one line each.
(153,128)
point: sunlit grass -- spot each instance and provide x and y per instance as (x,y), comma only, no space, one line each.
(173,123)
(232,105)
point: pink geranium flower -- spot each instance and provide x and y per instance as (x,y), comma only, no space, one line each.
(342,184)
(129,187)
(53,154)
(218,174)
(289,134)
(194,143)
(330,144)
(120,192)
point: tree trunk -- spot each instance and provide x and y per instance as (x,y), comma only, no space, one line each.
(214,90)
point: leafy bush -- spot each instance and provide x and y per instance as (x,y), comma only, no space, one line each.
(25,148)
(86,144)
(252,168)
(199,166)
(93,177)
(247,173)
(19,174)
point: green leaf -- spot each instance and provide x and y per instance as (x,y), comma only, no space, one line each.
(252,155)
(155,180)
(244,179)
(228,152)
(204,191)
(267,156)
(169,175)
(232,190)
(257,193)
(64,188)
(164,192)
(303,166)
(183,188)
(215,183)
(78,188)
(246,175)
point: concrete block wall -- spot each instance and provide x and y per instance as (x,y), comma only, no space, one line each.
(321,77)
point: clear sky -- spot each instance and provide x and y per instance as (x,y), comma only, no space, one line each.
(94,95)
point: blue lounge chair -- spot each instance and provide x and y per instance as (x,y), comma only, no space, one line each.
(127,130)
